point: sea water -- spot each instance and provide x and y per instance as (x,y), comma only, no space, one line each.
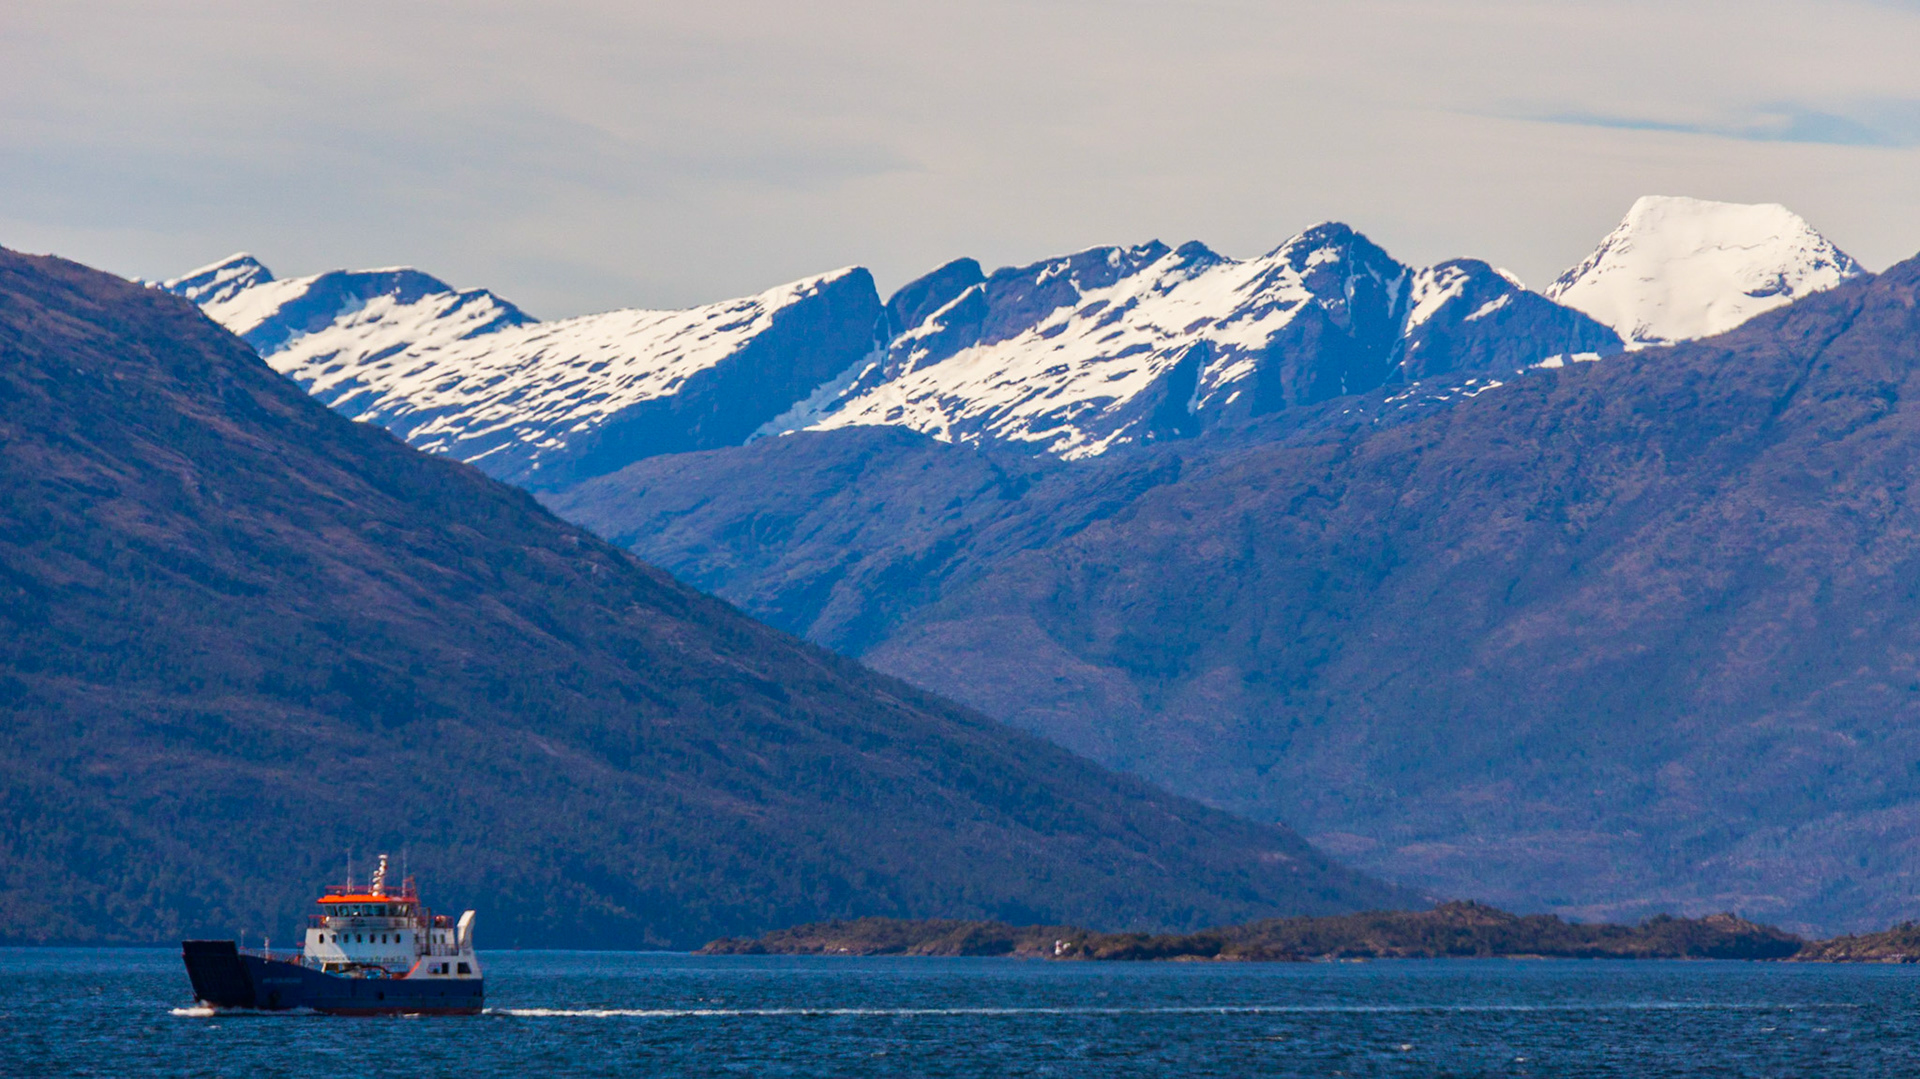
(128,1012)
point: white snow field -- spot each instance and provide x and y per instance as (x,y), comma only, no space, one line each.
(1677,269)
(464,372)
(1070,356)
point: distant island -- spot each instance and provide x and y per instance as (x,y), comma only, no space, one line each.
(1457,930)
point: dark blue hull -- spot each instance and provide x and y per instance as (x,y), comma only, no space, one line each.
(225,977)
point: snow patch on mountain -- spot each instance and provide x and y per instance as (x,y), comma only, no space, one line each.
(550,381)
(1054,354)
(327,328)
(1432,289)
(468,374)
(1677,269)
(1112,345)
(220,280)
(1053,381)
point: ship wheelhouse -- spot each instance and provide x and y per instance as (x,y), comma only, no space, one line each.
(373,932)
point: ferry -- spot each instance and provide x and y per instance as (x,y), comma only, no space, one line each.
(367,952)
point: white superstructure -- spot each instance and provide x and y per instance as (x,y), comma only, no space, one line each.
(379,934)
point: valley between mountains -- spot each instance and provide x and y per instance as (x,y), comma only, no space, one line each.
(1592,600)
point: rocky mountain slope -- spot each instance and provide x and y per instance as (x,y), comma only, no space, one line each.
(1611,638)
(540,404)
(1116,346)
(241,636)
(1070,356)
(930,506)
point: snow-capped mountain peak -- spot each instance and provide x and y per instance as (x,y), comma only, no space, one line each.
(465,372)
(1681,268)
(221,280)
(343,316)
(1117,345)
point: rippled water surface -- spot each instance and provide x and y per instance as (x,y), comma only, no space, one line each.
(127,1012)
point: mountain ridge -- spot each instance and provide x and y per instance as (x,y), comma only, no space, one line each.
(244,635)
(1071,355)
(1114,346)
(1611,637)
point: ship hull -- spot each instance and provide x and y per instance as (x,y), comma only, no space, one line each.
(225,977)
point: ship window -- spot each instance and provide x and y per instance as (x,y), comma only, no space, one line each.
(465,969)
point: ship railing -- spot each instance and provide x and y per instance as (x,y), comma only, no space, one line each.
(321,921)
(422,919)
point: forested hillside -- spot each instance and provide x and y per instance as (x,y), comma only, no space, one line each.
(241,635)
(1610,638)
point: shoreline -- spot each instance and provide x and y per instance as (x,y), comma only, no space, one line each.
(1457,930)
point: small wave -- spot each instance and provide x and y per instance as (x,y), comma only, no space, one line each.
(200,1012)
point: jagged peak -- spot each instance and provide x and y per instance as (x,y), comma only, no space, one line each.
(220,280)
(912,303)
(1335,244)
(237,260)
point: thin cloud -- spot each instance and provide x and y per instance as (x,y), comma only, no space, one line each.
(577,155)
(1895,126)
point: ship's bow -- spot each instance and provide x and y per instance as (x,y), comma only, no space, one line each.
(219,977)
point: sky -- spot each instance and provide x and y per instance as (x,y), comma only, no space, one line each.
(580,156)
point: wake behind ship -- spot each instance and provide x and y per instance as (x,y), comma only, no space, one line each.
(366,953)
